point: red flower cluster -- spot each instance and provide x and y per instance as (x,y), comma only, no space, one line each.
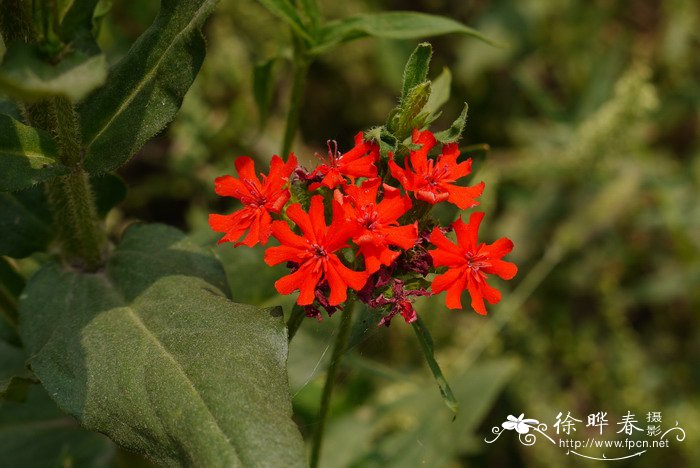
(376,242)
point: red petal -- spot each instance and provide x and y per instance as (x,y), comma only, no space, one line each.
(261,221)
(377,255)
(498,249)
(340,230)
(297,214)
(246,170)
(282,232)
(283,253)
(304,279)
(431,195)
(505,270)
(332,179)
(448,279)
(491,294)
(354,279)
(463,197)
(393,206)
(419,157)
(234,225)
(438,239)
(317,217)
(227,186)
(402,236)
(448,259)
(278,201)
(362,167)
(399,174)
(468,234)
(477,299)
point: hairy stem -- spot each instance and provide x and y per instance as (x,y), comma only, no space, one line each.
(80,236)
(341,341)
(14,22)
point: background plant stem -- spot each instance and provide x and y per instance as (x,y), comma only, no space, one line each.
(301,68)
(339,348)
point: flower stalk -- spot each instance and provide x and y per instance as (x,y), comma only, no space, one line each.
(341,341)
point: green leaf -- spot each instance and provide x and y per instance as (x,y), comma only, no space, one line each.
(391,25)
(15,378)
(152,353)
(386,140)
(416,70)
(28,76)
(76,17)
(145,89)
(426,344)
(263,87)
(25,222)
(109,190)
(284,10)
(440,92)
(454,133)
(37,434)
(27,156)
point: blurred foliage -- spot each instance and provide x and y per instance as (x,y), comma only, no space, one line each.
(592,116)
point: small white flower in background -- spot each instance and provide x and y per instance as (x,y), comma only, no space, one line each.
(522,426)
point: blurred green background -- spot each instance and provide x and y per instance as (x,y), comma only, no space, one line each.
(592,116)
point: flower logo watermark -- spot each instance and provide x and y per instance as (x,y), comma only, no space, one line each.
(565,427)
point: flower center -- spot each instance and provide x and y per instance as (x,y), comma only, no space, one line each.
(432,175)
(319,250)
(368,217)
(476,262)
(256,198)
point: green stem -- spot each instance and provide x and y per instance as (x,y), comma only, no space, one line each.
(81,238)
(14,22)
(426,344)
(301,67)
(341,341)
(295,320)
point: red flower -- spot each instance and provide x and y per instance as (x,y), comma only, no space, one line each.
(378,222)
(358,162)
(260,198)
(314,253)
(469,263)
(433,180)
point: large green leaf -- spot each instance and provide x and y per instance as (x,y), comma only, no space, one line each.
(152,353)
(26,74)
(76,17)
(25,222)
(391,25)
(27,156)
(37,434)
(145,89)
